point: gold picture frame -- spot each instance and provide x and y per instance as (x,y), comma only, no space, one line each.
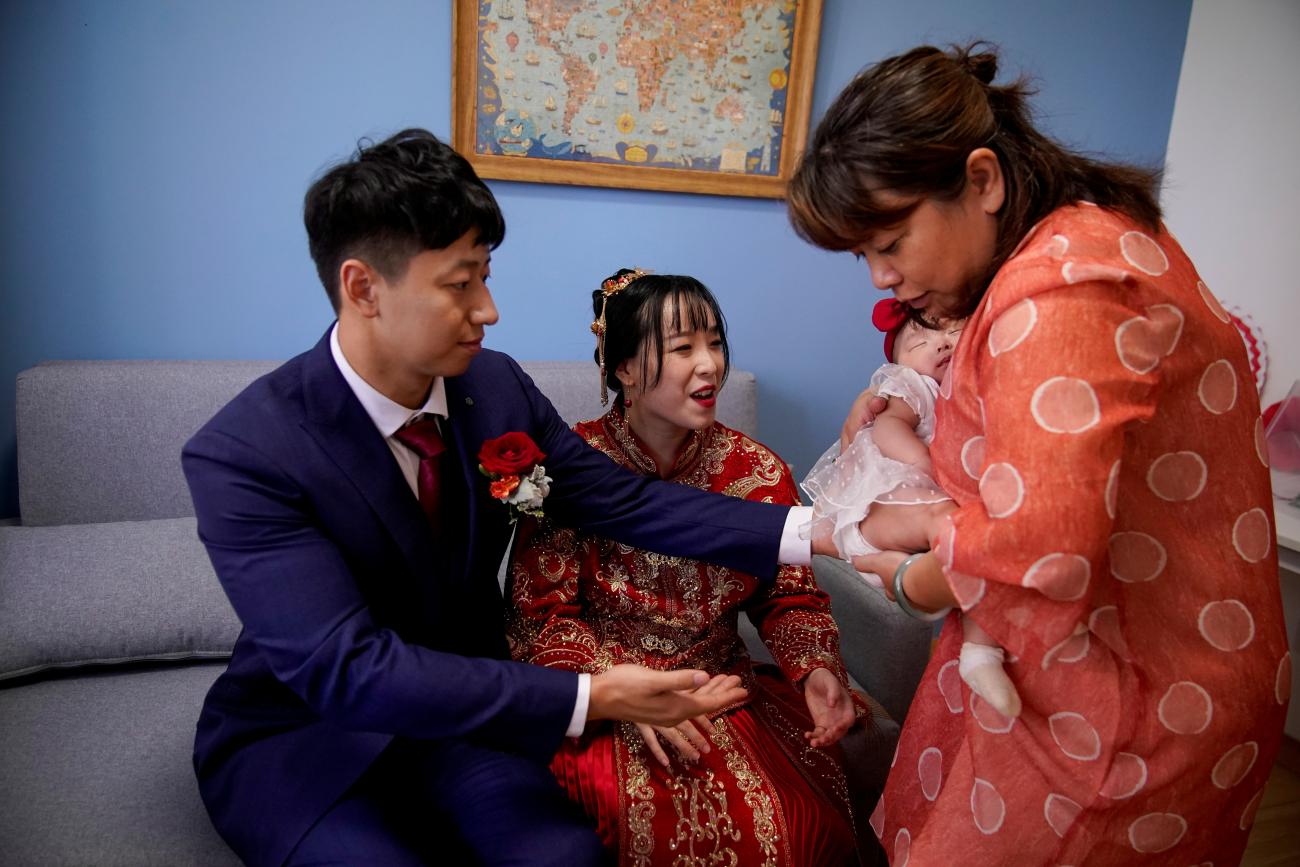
(607,94)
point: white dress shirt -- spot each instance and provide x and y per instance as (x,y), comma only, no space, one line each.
(390,417)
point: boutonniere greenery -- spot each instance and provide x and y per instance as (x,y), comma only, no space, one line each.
(513,464)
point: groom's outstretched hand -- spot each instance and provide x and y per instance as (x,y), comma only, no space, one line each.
(660,698)
(862,413)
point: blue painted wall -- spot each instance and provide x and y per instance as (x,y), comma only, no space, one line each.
(155,153)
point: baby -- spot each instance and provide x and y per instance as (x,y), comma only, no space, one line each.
(878,495)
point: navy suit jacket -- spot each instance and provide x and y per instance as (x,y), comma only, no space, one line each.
(359,622)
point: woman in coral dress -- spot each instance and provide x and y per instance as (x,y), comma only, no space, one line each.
(1100,432)
(761,784)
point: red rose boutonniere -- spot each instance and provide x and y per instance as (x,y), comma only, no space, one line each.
(513,463)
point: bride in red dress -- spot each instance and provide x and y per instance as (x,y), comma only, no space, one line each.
(761,783)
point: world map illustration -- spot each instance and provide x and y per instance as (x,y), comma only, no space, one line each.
(686,84)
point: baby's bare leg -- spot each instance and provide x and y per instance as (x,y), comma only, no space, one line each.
(980,665)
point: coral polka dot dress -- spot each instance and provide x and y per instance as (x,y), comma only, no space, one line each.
(1100,432)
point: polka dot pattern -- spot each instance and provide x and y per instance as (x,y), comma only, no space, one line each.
(1086,272)
(1252,536)
(1124,407)
(1141,342)
(1012,327)
(968,589)
(877,819)
(1232,768)
(1112,490)
(1057,247)
(1218,387)
(1075,736)
(990,718)
(1186,708)
(949,681)
(1213,303)
(972,457)
(1060,813)
(902,847)
(1002,490)
(1143,253)
(1177,476)
(1136,558)
(987,807)
(1060,576)
(1248,814)
(1069,651)
(1066,405)
(1127,776)
(1104,623)
(929,770)
(1227,625)
(1157,832)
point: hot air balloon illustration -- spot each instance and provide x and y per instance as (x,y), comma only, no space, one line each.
(512,39)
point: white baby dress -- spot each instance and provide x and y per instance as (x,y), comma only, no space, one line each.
(844,485)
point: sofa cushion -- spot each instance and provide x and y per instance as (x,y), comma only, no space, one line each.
(100,594)
(99,770)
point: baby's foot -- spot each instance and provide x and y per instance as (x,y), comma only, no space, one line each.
(850,543)
(980,666)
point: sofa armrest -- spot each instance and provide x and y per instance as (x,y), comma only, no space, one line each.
(884,650)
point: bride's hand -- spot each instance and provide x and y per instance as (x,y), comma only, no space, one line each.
(862,413)
(829,705)
(688,738)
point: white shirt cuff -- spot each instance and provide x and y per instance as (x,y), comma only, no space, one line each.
(794,550)
(578,721)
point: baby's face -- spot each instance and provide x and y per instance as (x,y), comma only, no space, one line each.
(927,350)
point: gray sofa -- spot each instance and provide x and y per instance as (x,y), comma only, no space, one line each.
(113,625)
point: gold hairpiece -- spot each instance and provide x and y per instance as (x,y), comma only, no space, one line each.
(612,286)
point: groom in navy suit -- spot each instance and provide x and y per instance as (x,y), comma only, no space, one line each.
(369,714)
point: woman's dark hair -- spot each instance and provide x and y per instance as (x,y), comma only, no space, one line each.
(645,313)
(908,124)
(393,200)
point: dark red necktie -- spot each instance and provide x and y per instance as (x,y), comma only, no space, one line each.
(422,437)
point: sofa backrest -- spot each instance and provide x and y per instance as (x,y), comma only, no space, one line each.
(101,440)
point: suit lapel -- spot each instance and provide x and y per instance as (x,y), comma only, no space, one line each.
(336,420)
(464,436)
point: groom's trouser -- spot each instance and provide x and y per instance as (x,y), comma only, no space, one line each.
(454,803)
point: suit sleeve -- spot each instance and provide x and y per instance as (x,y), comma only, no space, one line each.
(793,615)
(301,606)
(596,495)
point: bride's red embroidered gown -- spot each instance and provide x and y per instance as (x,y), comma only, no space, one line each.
(761,796)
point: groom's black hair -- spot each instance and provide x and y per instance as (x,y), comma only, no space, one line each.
(392,201)
(634,317)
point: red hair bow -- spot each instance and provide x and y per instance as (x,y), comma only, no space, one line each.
(889,316)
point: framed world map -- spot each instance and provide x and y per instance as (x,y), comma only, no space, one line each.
(702,96)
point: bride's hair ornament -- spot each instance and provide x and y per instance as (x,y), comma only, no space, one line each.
(611,286)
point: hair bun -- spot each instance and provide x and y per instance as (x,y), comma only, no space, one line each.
(981,61)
